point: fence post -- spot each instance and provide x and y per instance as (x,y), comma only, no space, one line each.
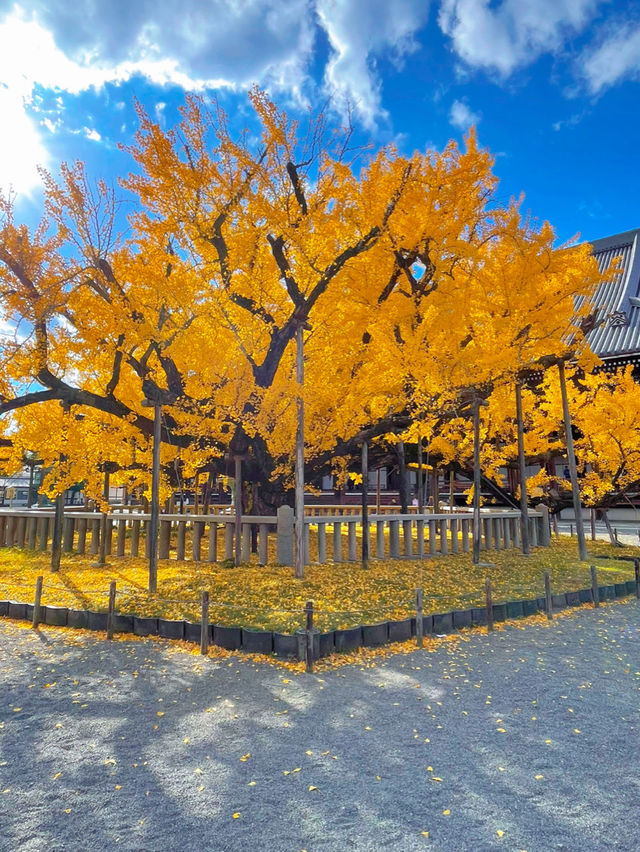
(594,585)
(204,624)
(544,526)
(487,592)
(309,643)
(36,603)
(419,618)
(112,606)
(285,535)
(547,596)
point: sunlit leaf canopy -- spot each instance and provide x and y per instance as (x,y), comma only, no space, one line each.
(417,291)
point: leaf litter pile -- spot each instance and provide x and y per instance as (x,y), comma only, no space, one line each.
(270,598)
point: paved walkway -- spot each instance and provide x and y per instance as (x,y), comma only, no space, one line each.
(524,739)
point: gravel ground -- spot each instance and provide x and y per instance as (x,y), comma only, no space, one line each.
(524,739)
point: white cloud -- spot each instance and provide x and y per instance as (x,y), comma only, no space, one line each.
(92,133)
(615,58)
(461,116)
(572,121)
(359,31)
(514,33)
(197,46)
(20,147)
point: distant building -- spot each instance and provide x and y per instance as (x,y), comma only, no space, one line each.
(615,336)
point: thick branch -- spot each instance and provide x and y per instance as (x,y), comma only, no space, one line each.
(277,249)
(292,171)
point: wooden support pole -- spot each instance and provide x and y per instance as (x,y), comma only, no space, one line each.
(365,505)
(204,625)
(420,486)
(636,564)
(299,491)
(571,462)
(489,604)
(56,533)
(36,603)
(592,517)
(524,513)
(102,553)
(594,586)
(238,511)
(112,606)
(419,619)
(154,522)
(402,478)
(309,637)
(476,482)
(547,596)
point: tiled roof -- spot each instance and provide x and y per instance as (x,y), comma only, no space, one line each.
(617,330)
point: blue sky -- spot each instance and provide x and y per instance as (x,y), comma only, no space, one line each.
(553,86)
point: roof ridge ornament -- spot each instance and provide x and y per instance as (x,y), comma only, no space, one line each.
(618,319)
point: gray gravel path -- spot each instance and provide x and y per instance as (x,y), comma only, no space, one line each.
(524,739)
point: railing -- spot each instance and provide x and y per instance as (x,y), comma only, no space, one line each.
(418,536)
(81,533)
(211,537)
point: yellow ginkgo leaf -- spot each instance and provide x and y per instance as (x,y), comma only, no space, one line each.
(311,787)
(446,812)
(237,815)
(500,833)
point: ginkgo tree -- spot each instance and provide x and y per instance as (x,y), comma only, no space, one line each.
(417,292)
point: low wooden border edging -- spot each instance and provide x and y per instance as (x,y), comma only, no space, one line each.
(320,644)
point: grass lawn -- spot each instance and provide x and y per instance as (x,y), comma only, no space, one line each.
(271,598)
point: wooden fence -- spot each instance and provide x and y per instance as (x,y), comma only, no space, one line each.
(211,538)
